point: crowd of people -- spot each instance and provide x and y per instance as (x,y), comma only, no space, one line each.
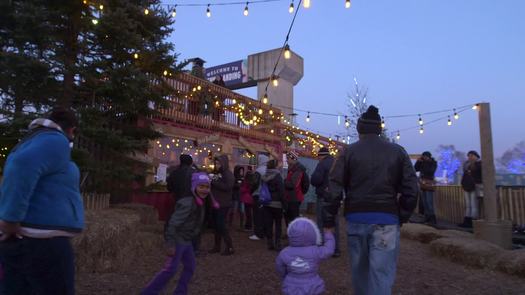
(41,209)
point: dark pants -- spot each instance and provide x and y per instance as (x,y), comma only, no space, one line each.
(248,210)
(37,266)
(258,218)
(292,211)
(221,228)
(184,254)
(273,216)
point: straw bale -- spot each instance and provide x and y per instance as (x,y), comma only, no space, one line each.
(99,247)
(512,262)
(148,214)
(157,228)
(468,251)
(419,232)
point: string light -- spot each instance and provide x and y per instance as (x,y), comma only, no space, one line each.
(308,117)
(456,115)
(165,73)
(208,11)
(146,11)
(265,98)
(174,12)
(94,21)
(135,55)
(420,120)
(398,136)
(475,107)
(85,2)
(347,4)
(421,130)
(287,53)
(291,8)
(272,131)
(275,81)
(261,111)
(449,123)
(246,9)
(101,7)
(306,3)
(347,123)
(383,122)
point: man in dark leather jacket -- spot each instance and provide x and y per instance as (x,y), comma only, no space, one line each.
(380,185)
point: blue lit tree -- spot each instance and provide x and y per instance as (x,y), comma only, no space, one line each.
(513,160)
(449,160)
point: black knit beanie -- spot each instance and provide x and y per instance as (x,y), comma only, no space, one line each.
(369,122)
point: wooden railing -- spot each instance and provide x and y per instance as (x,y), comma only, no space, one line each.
(449,204)
(94,201)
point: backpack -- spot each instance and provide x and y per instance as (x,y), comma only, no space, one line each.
(305,183)
(265,197)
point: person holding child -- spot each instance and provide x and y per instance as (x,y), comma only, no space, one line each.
(184,225)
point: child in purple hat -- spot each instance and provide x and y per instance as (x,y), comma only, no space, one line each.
(183,226)
(298,264)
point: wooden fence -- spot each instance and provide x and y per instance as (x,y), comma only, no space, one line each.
(94,201)
(449,204)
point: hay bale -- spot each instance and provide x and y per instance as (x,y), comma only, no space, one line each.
(97,248)
(148,214)
(419,232)
(467,251)
(456,234)
(157,228)
(512,262)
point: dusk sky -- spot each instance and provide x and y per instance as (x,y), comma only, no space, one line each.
(414,56)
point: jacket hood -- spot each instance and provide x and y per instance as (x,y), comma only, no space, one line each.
(303,232)
(223,159)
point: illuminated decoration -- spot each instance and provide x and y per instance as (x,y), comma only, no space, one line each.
(348,4)
(306,3)
(146,11)
(208,11)
(246,9)
(420,120)
(287,52)
(449,122)
(291,8)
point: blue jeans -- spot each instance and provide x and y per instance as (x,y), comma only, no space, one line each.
(373,252)
(319,216)
(37,266)
(428,202)
(184,254)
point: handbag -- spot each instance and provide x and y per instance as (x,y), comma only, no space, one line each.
(427,184)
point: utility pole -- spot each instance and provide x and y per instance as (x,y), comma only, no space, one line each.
(491,229)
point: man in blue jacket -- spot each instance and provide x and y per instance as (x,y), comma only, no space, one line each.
(320,179)
(41,209)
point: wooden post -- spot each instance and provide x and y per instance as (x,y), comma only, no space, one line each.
(487,164)
(491,229)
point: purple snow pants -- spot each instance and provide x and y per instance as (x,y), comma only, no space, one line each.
(184,254)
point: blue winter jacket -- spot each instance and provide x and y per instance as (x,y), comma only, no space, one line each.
(40,188)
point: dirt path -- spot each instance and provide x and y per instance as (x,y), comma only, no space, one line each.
(251,271)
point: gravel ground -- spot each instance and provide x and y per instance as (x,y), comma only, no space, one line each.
(251,271)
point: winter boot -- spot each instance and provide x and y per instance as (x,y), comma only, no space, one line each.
(217,245)
(229,247)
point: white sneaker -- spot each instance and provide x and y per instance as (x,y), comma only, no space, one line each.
(254,238)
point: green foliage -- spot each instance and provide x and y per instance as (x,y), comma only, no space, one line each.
(52,53)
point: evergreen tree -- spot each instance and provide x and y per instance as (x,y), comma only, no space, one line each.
(107,62)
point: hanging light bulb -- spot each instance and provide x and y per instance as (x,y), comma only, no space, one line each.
(261,111)
(136,56)
(347,123)
(383,122)
(420,120)
(275,81)
(272,131)
(271,112)
(421,130)
(101,7)
(291,8)
(208,11)
(306,3)
(475,107)
(308,117)
(265,98)
(398,136)
(347,4)
(165,73)
(456,115)
(146,11)
(287,53)
(449,123)
(84,1)
(174,12)
(246,9)
(94,21)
